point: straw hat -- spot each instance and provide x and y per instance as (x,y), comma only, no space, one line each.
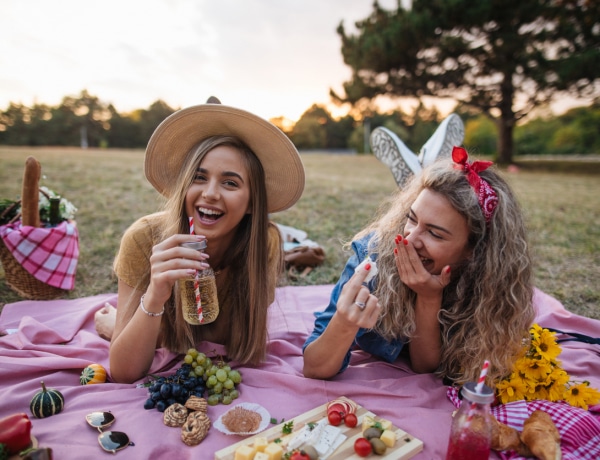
(178,133)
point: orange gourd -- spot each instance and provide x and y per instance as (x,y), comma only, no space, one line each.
(94,373)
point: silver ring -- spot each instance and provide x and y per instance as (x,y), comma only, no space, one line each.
(360,305)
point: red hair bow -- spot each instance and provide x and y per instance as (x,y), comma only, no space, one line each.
(486,195)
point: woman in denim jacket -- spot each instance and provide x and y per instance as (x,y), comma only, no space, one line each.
(453,279)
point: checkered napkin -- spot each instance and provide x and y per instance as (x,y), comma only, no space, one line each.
(579,429)
(49,253)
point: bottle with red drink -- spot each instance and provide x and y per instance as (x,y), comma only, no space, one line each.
(471,431)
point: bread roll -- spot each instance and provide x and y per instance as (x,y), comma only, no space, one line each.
(541,436)
(30,194)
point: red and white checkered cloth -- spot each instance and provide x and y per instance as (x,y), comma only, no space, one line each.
(579,429)
(49,253)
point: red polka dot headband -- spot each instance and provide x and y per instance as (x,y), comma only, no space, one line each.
(486,195)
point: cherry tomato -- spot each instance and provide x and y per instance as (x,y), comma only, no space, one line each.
(300,455)
(350,420)
(362,447)
(335,418)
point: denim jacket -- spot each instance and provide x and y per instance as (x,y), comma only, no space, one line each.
(365,339)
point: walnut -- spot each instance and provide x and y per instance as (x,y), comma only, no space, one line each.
(175,415)
(195,428)
(196,403)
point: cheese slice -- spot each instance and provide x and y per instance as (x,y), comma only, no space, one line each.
(389,438)
(260,443)
(244,452)
(274,451)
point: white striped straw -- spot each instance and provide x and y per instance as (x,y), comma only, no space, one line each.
(482,375)
(478,388)
(196,281)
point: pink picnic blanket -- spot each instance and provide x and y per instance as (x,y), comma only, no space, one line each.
(48,253)
(54,340)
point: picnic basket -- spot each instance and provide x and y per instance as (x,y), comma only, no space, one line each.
(17,277)
(23,282)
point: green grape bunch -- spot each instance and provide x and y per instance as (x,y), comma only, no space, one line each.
(220,379)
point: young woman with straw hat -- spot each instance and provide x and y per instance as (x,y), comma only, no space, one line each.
(226,169)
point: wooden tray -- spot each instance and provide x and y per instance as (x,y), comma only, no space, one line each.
(407,446)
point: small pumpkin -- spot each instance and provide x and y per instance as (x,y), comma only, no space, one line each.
(94,373)
(46,402)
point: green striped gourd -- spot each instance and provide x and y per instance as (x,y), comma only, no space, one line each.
(46,402)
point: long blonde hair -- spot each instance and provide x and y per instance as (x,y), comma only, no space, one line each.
(487,306)
(249,296)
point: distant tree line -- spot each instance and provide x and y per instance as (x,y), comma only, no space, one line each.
(87,121)
(80,121)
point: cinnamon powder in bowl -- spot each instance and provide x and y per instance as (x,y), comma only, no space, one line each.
(243,419)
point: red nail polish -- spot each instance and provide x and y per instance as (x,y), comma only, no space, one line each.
(368,267)
(405,241)
(395,250)
(448,269)
(396,240)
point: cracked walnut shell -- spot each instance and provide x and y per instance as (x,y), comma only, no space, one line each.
(175,415)
(195,428)
(196,403)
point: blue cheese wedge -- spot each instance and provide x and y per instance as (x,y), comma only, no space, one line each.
(325,438)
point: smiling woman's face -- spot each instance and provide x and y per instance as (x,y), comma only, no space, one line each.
(438,232)
(219,197)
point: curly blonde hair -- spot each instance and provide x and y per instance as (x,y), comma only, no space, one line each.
(487,306)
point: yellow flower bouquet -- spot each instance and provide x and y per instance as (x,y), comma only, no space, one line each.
(538,374)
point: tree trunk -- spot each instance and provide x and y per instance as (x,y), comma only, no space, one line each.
(506,122)
(505,141)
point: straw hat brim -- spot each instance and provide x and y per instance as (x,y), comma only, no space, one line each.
(178,133)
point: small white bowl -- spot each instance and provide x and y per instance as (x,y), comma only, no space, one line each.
(264,422)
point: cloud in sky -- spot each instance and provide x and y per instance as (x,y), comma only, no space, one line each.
(271,57)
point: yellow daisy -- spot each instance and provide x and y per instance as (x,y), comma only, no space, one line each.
(576,395)
(535,331)
(545,345)
(513,389)
(541,392)
(556,385)
(535,369)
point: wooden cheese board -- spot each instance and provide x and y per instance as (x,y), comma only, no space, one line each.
(406,446)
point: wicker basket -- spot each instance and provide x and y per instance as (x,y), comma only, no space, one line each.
(23,282)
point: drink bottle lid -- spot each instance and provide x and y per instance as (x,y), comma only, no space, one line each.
(485,396)
(197,245)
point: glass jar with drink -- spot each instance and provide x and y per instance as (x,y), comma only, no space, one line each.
(471,431)
(198,293)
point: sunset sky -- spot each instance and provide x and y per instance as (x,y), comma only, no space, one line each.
(271,57)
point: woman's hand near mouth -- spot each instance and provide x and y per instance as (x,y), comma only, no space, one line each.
(413,273)
(425,345)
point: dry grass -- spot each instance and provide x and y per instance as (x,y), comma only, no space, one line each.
(342,193)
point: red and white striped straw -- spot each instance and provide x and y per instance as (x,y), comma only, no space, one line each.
(196,281)
(478,388)
(482,375)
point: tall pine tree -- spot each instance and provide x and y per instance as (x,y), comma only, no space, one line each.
(503,57)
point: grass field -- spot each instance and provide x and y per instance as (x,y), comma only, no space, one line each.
(342,193)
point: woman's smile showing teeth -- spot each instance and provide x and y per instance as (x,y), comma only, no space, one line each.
(208,215)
